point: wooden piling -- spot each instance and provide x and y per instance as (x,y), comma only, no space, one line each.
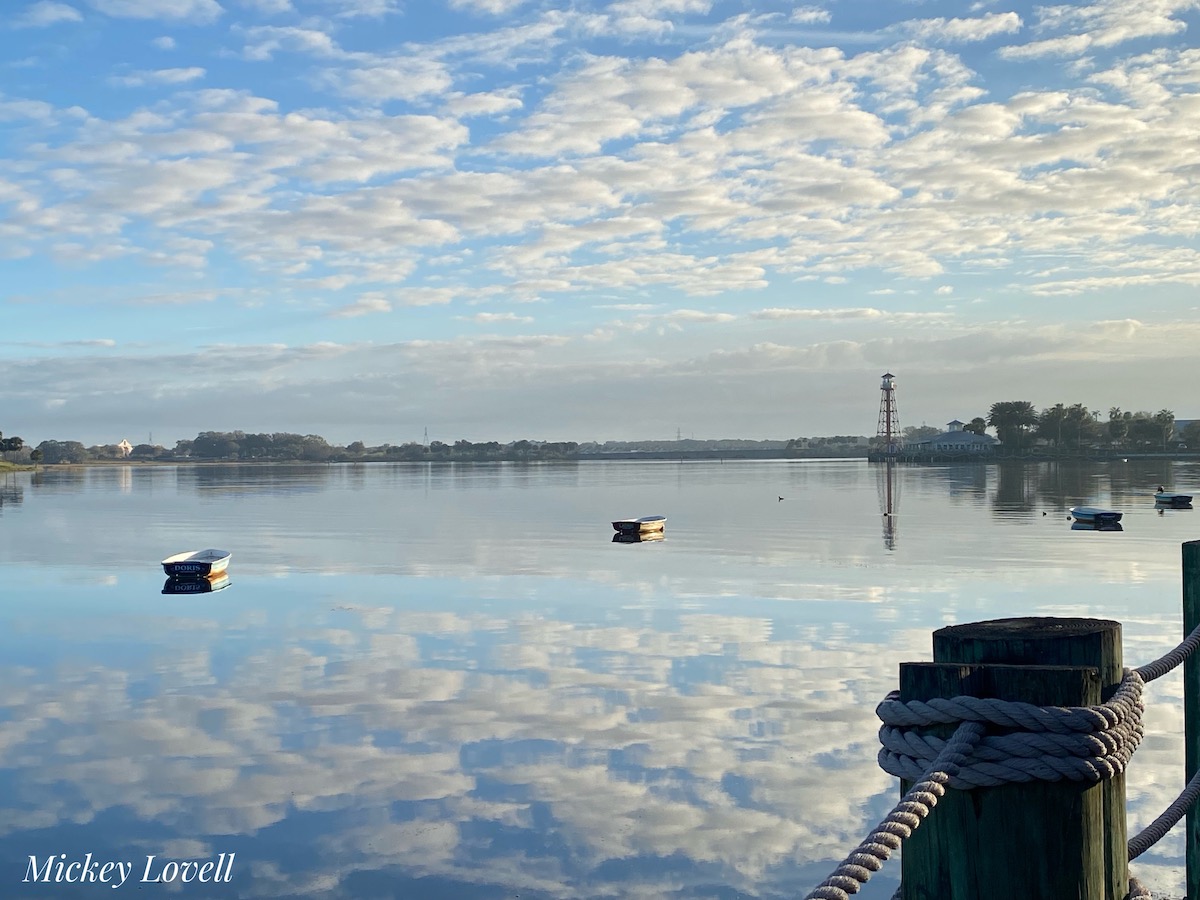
(1191,711)
(1037,839)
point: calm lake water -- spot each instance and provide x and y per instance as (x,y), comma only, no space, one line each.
(449,682)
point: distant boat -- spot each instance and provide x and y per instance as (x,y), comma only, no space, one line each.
(1094,515)
(637,537)
(204,585)
(1170,498)
(640,526)
(196,563)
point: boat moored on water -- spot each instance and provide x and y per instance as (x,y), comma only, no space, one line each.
(196,563)
(640,526)
(1094,515)
(1163,497)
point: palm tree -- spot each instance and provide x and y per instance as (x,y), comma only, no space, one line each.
(1050,424)
(1165,419)
(1012,419)
(1081,423)
(1118,426)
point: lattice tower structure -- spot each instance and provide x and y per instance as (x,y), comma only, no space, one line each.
(889,420)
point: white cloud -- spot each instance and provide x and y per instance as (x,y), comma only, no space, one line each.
(428,296)
(525,43)
(495,103)
(363,9)
(486,318)
(262,42)
(948,31)
(488,7)
(655,17)
(159,76)
(689,316)
(362,306)
(46,13)
(391,79)
(192,11)
(269,7)
(1101,25)
(785,313)
(809,15)
(94,342)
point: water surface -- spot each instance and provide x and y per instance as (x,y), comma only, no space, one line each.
(448,681)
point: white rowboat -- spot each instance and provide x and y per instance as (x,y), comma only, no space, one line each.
(196,563)
(640,526)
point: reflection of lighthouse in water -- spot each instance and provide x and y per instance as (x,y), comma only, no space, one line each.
(889,495)
(888,438)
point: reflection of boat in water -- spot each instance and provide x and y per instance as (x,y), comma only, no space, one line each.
(196,563)
(1171,498)
(1095,515)
(1097,526)
(640,526)
(637,537)
(205,585)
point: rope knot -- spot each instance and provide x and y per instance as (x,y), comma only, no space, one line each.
(1020,742)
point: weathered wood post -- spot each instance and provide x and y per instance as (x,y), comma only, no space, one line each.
(1191,710)
(1037,839)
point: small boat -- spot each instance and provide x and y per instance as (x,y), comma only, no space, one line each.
(1170,498)
(196,563)
(640,526)
(637,537)
(204,585)
(1094,515)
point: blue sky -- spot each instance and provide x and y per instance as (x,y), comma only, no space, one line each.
(503,219)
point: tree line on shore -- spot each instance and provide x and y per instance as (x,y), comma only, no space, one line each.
(1019,427)
(243,446)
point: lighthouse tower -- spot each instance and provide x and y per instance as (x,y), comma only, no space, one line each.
(889,421)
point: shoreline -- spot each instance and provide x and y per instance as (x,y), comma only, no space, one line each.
(648,456)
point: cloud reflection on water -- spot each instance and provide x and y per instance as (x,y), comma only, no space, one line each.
(529,754)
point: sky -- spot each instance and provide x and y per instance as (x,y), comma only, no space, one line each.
(381,220)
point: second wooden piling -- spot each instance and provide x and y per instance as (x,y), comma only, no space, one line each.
(1037,839)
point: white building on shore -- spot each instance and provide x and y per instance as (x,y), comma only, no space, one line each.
(955,440)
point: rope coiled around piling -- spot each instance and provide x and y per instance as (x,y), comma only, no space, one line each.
(1089,744)
(1044,743)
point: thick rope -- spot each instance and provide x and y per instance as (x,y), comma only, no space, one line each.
(1053,743)
(1156,830)
(1169,661)
(1046,744)
(869,856)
